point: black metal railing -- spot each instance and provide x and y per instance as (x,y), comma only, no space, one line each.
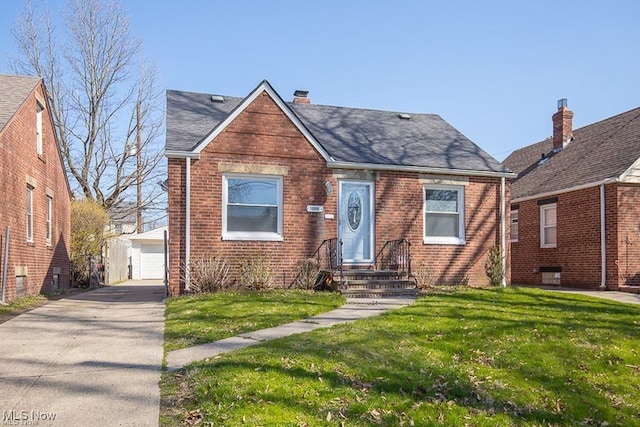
(329,256)
(395,255)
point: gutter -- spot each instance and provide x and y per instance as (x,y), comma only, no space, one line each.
(401,168)
(174,154)
(187,226)
(503,231)
(603,240)
(567,190)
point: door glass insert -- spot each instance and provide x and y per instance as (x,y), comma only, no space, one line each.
(354,211)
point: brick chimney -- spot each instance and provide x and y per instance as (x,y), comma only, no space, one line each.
(301,97)
(562,125)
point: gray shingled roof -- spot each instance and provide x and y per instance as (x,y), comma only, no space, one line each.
(599,151)
(348,134)
(13,92)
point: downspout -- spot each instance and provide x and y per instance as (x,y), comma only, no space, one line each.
(503,231)
(603,240)
(187,224)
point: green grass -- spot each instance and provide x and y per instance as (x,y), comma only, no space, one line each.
(473,357)
(193,320)
(20,305)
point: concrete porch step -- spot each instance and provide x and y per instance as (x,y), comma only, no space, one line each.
(379,293)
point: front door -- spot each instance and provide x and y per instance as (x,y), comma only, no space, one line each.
(355,222)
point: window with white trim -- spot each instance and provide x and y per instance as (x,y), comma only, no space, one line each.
(548,226)
(252,207)
(444,214)
(39,110)
(29,212)
(49,219)
(513,231)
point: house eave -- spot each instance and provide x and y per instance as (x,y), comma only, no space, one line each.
(418,169)
(175,154)
(566,190)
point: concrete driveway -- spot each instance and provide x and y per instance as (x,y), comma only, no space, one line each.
(93,359)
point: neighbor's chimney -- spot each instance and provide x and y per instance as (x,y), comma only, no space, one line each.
(301,97)
(562,125)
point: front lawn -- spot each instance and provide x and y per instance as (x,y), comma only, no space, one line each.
(480,357)
(193,320)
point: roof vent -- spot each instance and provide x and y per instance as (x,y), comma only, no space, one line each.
(404,116)
(217,98)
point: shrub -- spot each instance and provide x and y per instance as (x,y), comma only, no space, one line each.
(493,266)
(424,276)
(255,273)
(308,270)
(207,274)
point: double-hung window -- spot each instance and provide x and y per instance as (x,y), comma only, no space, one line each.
(513,232)
(39,110)
(49,219)
(548,225)
(252,207)
(29,212)
(444,214)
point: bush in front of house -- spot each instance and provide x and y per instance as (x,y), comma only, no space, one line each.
(308,270)
(255,273)
(493,266)
(206,274)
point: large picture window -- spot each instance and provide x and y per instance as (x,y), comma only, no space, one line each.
(548,226)
(252,207)
(444,215)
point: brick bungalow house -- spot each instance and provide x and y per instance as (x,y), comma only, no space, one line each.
(575,205)
(36,196)
(261,175)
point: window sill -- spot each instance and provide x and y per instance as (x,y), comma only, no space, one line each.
(548,247)
(254,237)
(444,241)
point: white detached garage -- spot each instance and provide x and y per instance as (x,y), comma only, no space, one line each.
(147,254)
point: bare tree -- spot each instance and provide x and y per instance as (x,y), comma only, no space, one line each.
(103,99)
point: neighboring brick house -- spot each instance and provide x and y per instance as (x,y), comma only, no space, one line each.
(35,192)
(261,175)
(575,205)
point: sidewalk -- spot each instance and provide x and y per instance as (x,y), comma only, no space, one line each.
(617,296)
(91,359)
(353,310)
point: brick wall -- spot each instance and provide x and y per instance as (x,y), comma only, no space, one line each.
(263,135)
(578,251)
(627,270)
(21,165)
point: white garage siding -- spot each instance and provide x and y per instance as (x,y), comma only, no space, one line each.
(147,255)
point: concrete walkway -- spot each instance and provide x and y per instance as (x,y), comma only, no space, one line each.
(93,359)
(354,309)
(610,295)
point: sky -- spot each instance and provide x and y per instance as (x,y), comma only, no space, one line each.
(493,69)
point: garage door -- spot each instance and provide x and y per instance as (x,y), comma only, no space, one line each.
(152,261)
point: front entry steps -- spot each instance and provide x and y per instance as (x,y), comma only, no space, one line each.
(366,283)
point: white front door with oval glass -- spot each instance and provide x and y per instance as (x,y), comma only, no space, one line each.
(355,221)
